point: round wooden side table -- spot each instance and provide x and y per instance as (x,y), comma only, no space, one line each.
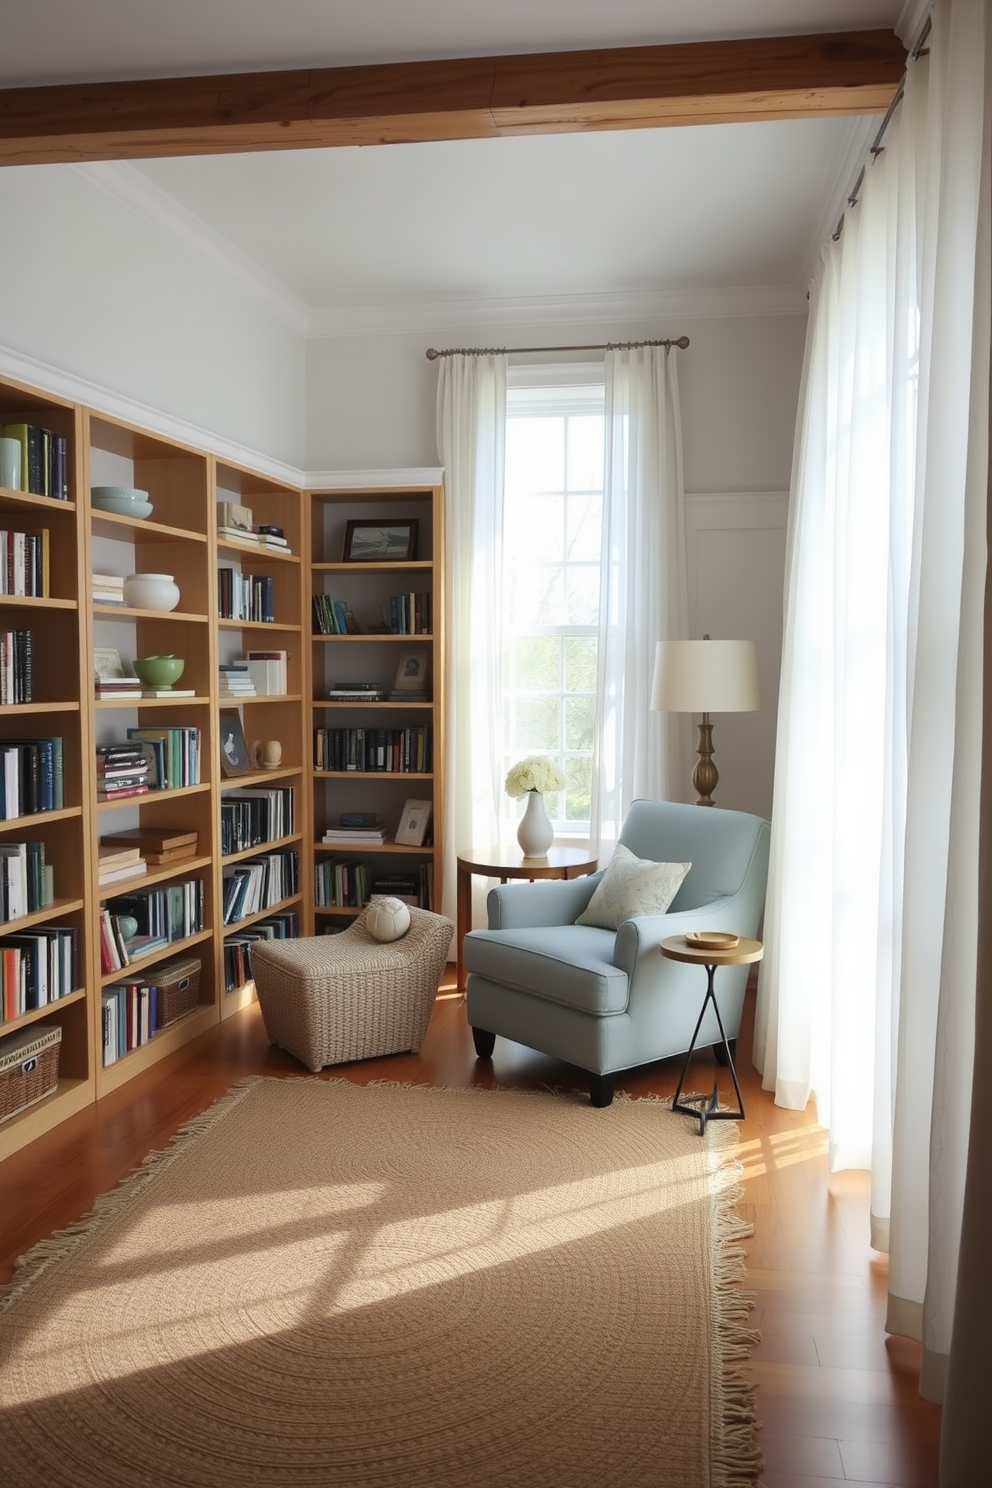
(505,863)
(677,948)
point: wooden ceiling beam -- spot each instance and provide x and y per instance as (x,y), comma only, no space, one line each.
(778,77)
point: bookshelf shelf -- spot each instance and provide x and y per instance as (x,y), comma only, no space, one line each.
(36,1015)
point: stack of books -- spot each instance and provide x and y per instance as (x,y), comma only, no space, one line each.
(116,862)
(108,589)
(236,680)
(156,845)
(268,672)
(121,770)
(357,692)
(355,828)
(109,688)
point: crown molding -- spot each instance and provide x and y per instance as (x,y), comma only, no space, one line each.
(131,189)
(556,310)
(361,480)
(72,389)
(851,155)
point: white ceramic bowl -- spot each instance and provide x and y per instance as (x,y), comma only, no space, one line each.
(148,591)
(122,501)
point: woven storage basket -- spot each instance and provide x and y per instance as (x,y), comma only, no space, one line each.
(178,984)
(29,1067)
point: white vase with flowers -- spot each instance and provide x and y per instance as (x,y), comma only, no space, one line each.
(532,778)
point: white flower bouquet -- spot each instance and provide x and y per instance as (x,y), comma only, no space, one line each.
(535,773)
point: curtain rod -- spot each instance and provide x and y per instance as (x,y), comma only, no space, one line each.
(877,147)
(432,354)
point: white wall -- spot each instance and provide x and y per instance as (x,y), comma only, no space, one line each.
(371,406)
(89,287)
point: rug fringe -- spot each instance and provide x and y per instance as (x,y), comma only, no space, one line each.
(45,1253)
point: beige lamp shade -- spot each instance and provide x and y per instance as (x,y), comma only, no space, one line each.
(706,677)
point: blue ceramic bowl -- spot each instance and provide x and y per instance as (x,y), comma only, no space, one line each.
(122,501)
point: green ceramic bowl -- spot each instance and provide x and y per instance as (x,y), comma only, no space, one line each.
(159,671)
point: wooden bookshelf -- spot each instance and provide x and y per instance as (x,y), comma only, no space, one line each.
(371,652)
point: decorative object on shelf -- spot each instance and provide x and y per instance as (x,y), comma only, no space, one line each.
(159,672)
(411,675)
(151,591)
(10,464)
(234,758)
(532,777)
(385,540)
(266,754)
(122,501)
(232,514)
(412,830)
(705,677)
(128,927)
(388,918)
(107,662)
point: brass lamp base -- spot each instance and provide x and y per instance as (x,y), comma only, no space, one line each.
(705,775)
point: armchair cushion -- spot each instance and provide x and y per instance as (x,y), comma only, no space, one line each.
(632,886)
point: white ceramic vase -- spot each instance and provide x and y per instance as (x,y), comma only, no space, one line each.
(148,591)
(535,832)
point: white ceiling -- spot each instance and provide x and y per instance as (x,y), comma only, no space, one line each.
(346,238)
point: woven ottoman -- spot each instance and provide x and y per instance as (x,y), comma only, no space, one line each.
(327,999)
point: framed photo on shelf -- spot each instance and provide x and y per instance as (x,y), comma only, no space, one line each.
(234,757)
(389,541)
(414,821)
(411,671)
(107,662)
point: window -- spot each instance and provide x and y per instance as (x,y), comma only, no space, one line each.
(552,556)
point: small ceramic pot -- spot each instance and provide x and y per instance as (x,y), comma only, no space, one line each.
(149,591)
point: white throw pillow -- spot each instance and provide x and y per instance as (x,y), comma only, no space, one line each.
(388,918)
(632,886)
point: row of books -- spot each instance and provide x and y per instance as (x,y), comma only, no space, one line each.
(30,777)
(333,616)
(44,460)
(408,614)
(37,966)
(26,883)
(24,563)
(251,817)
(130,1018)
(257,674)
(237,948)
(344,885)
(415,887)
(163,915)
(121,770)
(259,884)
(248,597)
(15,666)
(149,759)
(397,751)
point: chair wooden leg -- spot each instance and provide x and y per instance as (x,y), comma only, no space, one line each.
(485,1042)
(601,1088)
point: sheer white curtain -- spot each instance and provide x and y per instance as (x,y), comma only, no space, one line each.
(644,588)
(878,766)
(471,436)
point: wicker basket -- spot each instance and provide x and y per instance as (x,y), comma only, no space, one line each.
(29,1067)
(178,984)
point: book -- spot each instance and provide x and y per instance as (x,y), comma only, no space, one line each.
(152,839)
(341,695)
(129,870)
(167,692)
(112,855)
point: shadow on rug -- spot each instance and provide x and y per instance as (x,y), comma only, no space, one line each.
(328,1285)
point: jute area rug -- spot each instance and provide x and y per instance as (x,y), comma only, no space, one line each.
(328,1284)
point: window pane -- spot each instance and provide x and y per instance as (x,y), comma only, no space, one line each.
(535,662)
(535,454)
(538,726)
(536,597)
(578,789)
(580,723)
(584,535)
(583,595)
(585,453)
(537,532)
(580,664)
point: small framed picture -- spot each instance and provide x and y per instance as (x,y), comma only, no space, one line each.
(414,821)
(234,758)
(389,541)
(107,662)
(411,671)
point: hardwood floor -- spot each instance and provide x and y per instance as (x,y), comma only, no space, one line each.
(838,1400)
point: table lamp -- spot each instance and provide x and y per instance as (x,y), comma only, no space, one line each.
(705,677)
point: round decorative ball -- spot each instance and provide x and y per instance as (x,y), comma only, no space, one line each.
(388,918)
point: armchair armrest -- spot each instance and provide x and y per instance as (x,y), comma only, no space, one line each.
(553,901)
(638,940)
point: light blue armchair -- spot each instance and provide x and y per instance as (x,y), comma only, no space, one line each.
(608,1000)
